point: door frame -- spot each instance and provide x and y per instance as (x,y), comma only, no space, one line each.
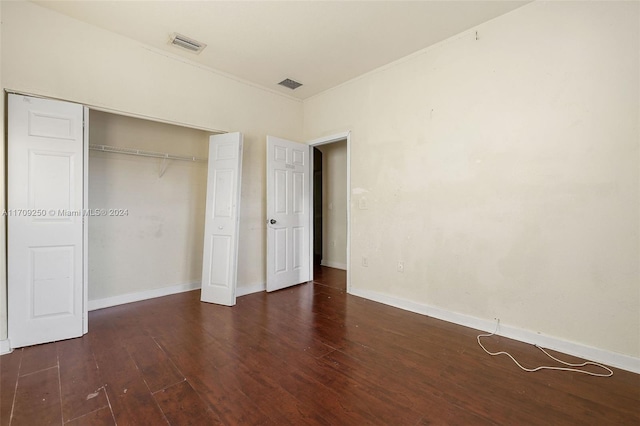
(325,140)
(85,220)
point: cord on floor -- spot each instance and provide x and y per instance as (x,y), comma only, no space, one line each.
(570,366)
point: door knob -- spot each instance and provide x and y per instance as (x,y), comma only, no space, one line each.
(272,221)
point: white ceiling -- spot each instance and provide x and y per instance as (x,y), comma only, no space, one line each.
(318,43)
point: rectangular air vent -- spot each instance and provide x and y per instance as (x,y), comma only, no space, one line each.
(291,84)
(187,43)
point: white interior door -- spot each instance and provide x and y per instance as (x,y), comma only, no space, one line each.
(45,220)
(220,253)
(288,245)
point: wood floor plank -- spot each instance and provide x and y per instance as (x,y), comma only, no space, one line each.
(272,400)
(38,399)
(228,402)
(443,413)
(182,405)
(134,405)
(9,370)
(128,394)
(330,277)
(80,383)
(262,387)
(336,406)
(39,357)
(117,370)
(274,360)
(156,368)
(101,417)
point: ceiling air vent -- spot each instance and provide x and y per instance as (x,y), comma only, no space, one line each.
(187,43)
(291,84)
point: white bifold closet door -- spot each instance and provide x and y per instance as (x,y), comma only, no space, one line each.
(45,250)
(221,226)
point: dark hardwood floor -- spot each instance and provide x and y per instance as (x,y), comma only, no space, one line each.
(305,355)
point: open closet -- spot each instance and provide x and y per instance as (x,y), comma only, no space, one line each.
(106,209)
(155,240)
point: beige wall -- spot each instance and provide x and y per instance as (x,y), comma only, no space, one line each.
(504,173)
(48,54)
(334,205)
(158,243)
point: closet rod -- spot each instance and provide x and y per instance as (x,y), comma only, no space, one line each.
(142,153)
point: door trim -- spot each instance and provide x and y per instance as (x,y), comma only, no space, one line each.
(324,141)
(85,221)
(93,107)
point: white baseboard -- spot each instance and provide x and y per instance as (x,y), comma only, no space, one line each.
(5,347)
(250,289)
(613,359)
(164,291)
(332,264)
(142,295)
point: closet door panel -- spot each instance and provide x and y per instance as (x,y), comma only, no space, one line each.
(45,232)
(220,252)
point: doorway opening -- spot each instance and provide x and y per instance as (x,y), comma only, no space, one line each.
(330,183)
(318,241)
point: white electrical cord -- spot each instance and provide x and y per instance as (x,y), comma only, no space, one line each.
(544,367)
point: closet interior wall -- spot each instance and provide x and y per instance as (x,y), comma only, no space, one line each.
(155,239)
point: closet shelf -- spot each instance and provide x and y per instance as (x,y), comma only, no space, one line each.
(142,153)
